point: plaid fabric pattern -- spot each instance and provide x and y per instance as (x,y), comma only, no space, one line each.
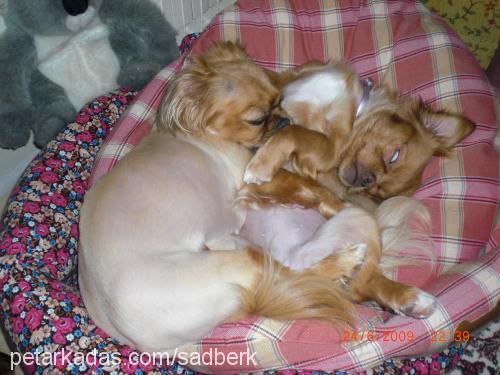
(403,45)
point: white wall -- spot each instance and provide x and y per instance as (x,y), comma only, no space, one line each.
(188,16)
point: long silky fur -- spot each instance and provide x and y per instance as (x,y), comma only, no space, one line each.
(282,294)
(186,99)
(393,216)
(181,108)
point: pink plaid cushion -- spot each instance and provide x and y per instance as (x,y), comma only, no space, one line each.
(404,46)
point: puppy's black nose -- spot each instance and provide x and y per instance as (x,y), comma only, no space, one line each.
(367,179)
(280,123)
(356,175)
(75,7)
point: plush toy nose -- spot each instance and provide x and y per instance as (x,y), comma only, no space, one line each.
(75,7)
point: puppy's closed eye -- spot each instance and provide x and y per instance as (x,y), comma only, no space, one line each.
(392,156)
(256,117)
(258,122)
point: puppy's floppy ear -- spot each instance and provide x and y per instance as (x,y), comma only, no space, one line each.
(187,99)
(183,106)
(448,129)
(277,79)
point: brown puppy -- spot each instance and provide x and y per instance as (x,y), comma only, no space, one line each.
(352,139)
(161,225)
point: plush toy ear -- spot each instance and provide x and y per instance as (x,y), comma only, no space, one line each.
(448,129)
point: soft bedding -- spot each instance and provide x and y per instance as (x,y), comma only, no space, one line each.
(398,43)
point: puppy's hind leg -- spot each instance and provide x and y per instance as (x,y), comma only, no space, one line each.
(393,215)
(403,299)
(350,236)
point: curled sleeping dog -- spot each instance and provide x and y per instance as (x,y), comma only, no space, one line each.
(352,139)
(160,259)
(375,142)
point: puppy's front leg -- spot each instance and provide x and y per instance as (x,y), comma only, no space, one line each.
(289,189)
(309,151)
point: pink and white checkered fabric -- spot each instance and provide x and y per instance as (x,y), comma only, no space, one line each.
(403,45)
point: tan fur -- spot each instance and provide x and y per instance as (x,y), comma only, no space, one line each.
(337,150)
(160,226)
(285,295)
(205,100)
(189,106)
(408,124)
(300,191)
(345,144)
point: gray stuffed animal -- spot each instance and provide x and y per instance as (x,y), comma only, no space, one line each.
(56,55)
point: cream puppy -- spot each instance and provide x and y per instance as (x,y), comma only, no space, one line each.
(160,260)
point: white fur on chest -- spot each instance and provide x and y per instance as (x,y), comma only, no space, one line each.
(319,89)
(83,64)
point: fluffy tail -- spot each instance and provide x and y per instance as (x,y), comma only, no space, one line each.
(283,294)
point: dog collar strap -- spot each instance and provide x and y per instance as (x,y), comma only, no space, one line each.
(367,84)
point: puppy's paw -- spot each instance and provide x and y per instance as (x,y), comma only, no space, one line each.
(330,208)
(421,307)
(256,175)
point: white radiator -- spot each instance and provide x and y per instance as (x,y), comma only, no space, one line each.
(189,16)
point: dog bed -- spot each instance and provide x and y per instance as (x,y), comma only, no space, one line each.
(398,43)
